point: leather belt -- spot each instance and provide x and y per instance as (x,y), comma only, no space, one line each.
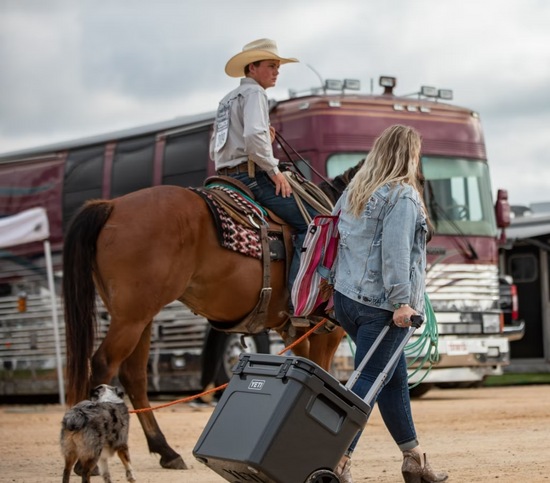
(240,168)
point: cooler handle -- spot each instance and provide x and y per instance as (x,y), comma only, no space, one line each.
(416,322)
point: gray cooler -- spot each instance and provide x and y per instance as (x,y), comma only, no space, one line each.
(279,420)
(286,420)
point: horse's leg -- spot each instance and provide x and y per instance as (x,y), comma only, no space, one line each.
(128,342)
(322,347)
(122,338)
(133,376)
(301,349)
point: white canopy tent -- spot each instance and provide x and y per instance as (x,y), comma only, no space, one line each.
(32,226)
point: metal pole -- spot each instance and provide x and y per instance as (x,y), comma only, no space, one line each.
(320,78)
(51,286)
(545,292)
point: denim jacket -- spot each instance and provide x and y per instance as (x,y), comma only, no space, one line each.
(382,254)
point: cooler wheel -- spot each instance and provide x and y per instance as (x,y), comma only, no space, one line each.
(323,476)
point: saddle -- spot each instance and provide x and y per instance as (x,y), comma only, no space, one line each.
(236,209)
(229,181)
(224,193)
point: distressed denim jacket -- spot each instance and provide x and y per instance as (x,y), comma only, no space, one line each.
(382,254)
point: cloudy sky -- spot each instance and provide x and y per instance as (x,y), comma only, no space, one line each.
(73,68)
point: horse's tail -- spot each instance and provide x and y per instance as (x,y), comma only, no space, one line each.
(79,254)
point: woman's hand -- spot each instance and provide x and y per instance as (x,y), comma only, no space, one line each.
(272,133)
(402,316)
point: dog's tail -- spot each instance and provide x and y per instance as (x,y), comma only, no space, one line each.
(74,420)
(79,258)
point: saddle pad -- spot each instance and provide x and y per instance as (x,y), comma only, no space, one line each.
(235,236)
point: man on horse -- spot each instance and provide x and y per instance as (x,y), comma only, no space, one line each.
(241,145)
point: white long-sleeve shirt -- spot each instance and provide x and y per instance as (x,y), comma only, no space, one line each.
(248,131)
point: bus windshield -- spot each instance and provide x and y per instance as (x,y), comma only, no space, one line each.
(458,196)
(338,163)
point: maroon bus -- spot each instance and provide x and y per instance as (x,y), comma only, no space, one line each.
(333,132)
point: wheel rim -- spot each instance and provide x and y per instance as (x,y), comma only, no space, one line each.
(323,476)
(233,350)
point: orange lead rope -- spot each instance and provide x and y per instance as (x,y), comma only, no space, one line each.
(219,388)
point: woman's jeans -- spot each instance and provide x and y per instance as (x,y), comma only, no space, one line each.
(363,324)
(286,208)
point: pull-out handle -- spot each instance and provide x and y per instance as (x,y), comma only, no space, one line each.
(416,322)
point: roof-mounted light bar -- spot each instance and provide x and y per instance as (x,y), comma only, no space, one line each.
(446,94)
(334,85)
(388,83)
(352,84)
(428,91)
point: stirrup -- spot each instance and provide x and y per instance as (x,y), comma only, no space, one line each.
(297,321)
(300,321)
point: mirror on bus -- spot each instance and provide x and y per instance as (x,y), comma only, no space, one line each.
(502,209)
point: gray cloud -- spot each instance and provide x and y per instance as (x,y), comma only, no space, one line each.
(71,69)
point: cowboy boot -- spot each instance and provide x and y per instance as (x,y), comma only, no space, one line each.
(413,472)
(345,473)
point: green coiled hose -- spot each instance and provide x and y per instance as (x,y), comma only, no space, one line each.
(426,345)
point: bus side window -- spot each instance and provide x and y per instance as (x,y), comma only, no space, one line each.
(523,268)
(185,159)
(83,179)
(133,165)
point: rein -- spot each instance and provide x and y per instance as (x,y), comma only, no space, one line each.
(282,142)
(305,190)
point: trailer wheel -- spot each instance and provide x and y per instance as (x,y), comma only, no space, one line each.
(323,476)
(232,348)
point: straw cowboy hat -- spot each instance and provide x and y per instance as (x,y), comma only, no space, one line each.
(263,49)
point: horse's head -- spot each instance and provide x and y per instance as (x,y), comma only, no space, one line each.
(340,182)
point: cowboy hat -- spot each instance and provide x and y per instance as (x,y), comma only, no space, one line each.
(263,49)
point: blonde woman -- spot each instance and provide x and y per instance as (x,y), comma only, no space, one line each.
(380,276)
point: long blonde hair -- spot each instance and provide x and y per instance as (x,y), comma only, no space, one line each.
(393,159)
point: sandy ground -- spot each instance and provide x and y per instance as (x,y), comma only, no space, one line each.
(477,435)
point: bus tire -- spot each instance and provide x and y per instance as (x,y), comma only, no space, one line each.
(232,348)
(420,390)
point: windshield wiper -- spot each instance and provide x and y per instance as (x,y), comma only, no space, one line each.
(436,208)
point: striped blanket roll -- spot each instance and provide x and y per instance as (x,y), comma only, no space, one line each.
(318,255)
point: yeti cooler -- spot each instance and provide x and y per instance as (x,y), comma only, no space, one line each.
(280,420)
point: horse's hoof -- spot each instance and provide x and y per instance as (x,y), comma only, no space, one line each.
(175,464)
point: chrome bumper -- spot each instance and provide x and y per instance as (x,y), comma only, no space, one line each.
(514,332)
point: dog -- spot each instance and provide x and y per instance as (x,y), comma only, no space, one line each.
(93,430)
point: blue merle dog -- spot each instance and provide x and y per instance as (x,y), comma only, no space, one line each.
(94,430)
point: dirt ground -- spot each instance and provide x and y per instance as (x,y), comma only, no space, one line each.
(477,435)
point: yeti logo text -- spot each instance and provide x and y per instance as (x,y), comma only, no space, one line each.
(256,384)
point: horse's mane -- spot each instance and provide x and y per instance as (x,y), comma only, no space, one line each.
(340,183)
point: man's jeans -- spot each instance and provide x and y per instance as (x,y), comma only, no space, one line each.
(363,324)
(286,208)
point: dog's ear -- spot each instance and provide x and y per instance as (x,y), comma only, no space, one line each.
(119,392)
(94,393)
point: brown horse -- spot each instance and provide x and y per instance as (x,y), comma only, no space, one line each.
(143,251)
